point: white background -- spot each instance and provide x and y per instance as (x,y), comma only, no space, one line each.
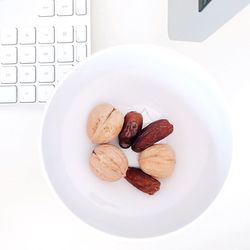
(32,218)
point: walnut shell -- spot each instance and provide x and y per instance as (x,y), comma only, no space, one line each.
(104,123)
(108,162)
(158,160)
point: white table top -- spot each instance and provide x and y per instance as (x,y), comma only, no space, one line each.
(32,218)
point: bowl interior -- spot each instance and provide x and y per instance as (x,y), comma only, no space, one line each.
(160,84)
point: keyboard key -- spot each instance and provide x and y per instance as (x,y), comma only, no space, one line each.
(47,8)
(81,52)
(44,92)
(27,94)
(64,7)
(9,75)
(27,74)
(46,35)
(46,74)
(27,54)
(9,36)
(65,34)
(27,35)
(8,55)
(46,54)
(62,71)
(65,53)
(81,34)
(8,94)
(81,7)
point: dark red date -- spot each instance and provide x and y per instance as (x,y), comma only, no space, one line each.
(142,181)
(151,134)
(131,127)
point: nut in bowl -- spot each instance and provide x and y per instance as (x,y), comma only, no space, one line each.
(158,160)
(159,84)
(104,123)
(108,162)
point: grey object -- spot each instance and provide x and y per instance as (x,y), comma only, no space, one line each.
(196,20)
(203,4)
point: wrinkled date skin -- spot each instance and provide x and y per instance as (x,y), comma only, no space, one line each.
(142,181)
(151,134)
(131,127)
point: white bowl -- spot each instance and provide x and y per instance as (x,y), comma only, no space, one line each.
(161,83)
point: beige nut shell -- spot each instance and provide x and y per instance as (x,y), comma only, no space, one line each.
(158,160)
(104,123)
(108,162)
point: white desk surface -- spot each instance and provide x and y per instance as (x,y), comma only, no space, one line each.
(31,218)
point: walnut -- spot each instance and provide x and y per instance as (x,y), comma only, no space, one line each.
(104,123)
(158,160)
(108,162)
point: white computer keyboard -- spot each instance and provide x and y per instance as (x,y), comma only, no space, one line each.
(36,57)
